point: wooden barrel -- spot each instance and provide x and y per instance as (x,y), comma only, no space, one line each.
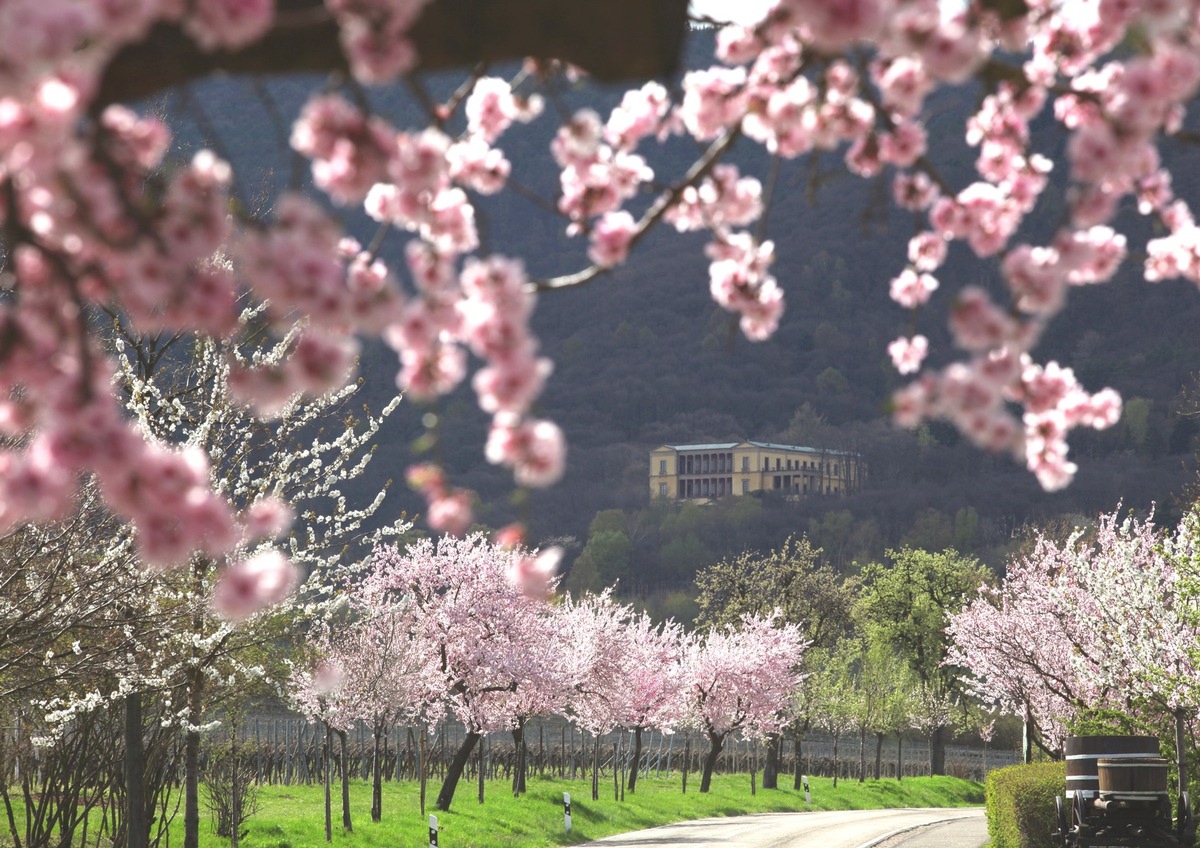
(1132,778)
(1083,753)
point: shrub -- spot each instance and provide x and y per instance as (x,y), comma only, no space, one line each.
(232,791)
(1020,805)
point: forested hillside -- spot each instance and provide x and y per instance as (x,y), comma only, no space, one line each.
(643,357)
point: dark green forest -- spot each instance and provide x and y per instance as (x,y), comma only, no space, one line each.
(643,357)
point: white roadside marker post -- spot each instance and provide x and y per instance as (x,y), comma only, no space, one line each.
(807,794)
(567,811)
(433,830)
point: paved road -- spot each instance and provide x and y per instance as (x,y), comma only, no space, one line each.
(936,828)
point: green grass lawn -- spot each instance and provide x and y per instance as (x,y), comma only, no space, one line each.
(293,816)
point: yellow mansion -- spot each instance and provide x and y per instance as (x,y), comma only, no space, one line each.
(702,472)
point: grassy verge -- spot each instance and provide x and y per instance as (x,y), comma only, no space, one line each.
(293,817)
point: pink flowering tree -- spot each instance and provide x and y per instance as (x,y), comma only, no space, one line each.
(487,636)
(1014,643)
(623,671)
(542,688)
(97,214)
(1104,620)
(593,629)
(653,684)
(742,680)
(321,694)
(384,676)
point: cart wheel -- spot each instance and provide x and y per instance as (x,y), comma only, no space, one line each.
(1060,808)
(1185,828)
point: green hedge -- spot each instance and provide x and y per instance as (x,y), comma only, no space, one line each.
(1020,805)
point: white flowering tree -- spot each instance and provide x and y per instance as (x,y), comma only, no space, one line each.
(72,609)
(280,481)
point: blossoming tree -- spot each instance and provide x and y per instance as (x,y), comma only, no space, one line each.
(741,680)
(157,637)
(1102,620)
(623,671)
(490,640)
(377,672)
(652,680)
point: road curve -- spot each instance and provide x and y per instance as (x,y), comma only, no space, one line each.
(961,827)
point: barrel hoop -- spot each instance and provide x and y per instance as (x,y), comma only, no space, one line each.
(1091,777)
(1140,756)
(1133,796)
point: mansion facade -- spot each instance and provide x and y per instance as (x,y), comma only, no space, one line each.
(704,472)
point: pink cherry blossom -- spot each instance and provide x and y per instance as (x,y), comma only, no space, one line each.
(491,108)
(535,450)
(908,354)
(912,289)
(450,512)
(99,219)
(927,251)
(535,575)
(254,584)
(640,114)
(610,238)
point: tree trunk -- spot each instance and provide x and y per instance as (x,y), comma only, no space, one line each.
(836,738)
(191,764)
(137,828)
(454,772)
(346,825)
(482,760)
(422,765)
(519,763)
(235,787)
(878,756)
(596,769)
(770,776)
(377,770)
(328,783)
(937,751)
(687,759)
(617,769)
(1181,751)
(195,696)
(710,762)
(899,756)
(862,755)
(798,766)
(637,758)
